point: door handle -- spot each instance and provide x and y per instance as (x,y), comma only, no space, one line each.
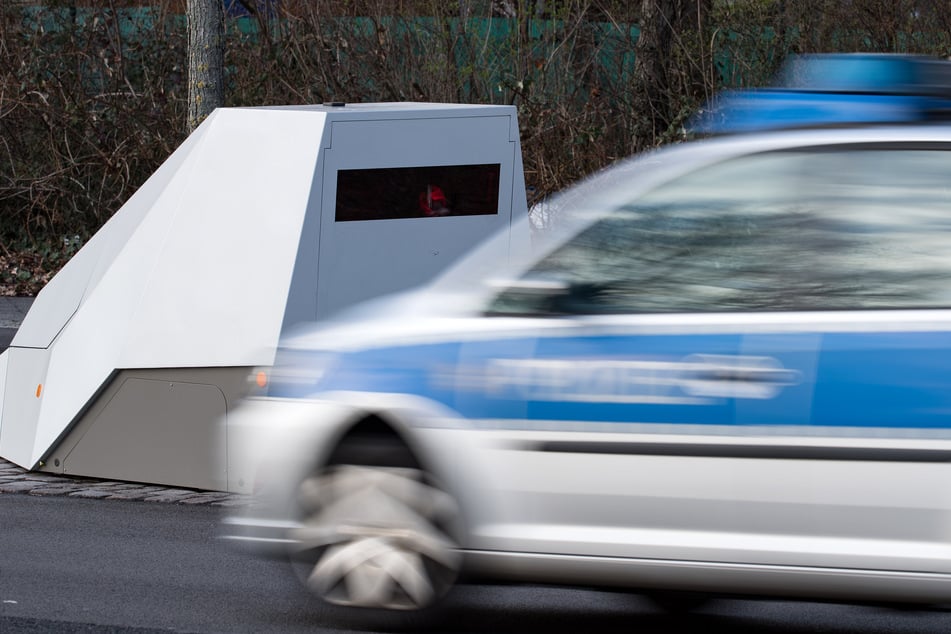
(746,375)
(737,377)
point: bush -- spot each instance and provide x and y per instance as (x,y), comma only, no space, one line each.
(89,108)
(93,99)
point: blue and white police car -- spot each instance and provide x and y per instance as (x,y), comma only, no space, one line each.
(726,368)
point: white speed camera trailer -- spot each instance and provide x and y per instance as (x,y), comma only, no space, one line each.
(262,219)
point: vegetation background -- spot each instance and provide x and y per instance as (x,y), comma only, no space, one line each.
(93,95)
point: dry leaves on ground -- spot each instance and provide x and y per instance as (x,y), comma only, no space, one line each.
(23,274)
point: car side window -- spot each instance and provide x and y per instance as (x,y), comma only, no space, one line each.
(837,229)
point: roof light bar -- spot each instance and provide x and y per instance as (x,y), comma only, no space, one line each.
(836,90)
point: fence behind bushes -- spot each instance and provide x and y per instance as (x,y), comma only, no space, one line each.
(93,99)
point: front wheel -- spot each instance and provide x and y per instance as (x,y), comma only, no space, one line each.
(376,537)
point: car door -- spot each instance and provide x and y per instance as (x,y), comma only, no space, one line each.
(862,484)
(688,402)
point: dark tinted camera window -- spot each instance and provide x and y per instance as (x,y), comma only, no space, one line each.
(833,230)
(417,192)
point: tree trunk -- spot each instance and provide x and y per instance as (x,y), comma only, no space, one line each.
(668,60)
(205,59)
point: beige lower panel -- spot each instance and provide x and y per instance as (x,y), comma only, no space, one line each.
(161,426)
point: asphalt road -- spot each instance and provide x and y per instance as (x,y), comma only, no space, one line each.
(6,336)
(97,566)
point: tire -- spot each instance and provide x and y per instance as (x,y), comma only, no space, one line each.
(375,538)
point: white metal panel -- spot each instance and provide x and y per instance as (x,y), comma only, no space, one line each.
(216,292)
(301,306)
(60,298)
(437,140)
(87,350)
(161,191)
(366,259)
(202,282)
(22,403)
(4,356)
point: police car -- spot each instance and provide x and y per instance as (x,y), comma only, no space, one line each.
(725,368)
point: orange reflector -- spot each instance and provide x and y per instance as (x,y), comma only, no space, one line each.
(262,379)
(39,390)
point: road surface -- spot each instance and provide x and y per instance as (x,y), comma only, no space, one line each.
(97,566)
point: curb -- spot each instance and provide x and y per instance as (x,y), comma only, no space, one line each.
(17,480)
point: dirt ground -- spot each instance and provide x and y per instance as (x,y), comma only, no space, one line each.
(23,274)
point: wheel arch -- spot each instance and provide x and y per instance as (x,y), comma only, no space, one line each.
(396,423)
(366,431)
